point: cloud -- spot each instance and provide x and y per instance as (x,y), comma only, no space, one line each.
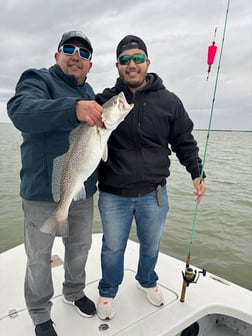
(177,34)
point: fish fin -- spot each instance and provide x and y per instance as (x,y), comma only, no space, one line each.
(105,154)
(55,227)
(63,229)
(50,226)
(81,194)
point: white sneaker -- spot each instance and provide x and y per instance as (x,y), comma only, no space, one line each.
(153,294)
(105,308)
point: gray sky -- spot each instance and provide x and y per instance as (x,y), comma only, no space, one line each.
(177,34)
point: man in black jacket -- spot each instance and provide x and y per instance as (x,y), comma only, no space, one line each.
(47,106)
(132,182)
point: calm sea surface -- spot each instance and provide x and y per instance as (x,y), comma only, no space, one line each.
(223,236)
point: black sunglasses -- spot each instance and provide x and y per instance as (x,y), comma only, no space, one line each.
(69,49)
(137,58)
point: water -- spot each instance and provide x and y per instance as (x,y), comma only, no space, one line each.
(222,242)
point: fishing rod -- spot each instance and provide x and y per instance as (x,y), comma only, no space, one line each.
(190,275)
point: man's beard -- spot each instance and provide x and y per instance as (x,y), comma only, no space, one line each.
(135,85)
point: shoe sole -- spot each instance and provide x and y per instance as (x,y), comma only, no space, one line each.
(71,303)
(105,318)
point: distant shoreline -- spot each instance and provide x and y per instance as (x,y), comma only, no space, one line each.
(195,129)
(220,130)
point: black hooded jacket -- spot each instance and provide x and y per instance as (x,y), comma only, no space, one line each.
(139,149)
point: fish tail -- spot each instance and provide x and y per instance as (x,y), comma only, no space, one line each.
(55,226)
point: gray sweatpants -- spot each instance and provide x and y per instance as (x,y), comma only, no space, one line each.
(38,245)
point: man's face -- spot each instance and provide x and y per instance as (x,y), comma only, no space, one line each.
(133,74)
(74,64)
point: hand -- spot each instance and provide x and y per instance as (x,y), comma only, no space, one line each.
(89,112)
(200,188)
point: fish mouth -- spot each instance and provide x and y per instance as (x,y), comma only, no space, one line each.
(122,107)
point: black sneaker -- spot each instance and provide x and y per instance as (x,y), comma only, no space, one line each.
(45,329)
(84,306)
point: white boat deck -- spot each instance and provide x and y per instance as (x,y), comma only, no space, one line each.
(134,315)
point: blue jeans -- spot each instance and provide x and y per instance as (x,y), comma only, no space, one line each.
(117,214)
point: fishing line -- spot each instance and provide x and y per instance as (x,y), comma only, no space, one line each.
(191,274)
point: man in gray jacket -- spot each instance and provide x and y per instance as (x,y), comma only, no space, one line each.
(47,106)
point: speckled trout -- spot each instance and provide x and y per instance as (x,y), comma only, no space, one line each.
(88,145)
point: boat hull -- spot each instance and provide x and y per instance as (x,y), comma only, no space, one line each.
(214,305)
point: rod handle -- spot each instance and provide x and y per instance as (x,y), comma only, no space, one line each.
(183,292)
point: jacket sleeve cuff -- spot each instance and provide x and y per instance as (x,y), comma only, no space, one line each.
(196,174)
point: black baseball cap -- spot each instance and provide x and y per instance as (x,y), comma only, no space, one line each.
(130,42)
(76,35)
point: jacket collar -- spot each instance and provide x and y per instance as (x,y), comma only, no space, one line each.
(69,79)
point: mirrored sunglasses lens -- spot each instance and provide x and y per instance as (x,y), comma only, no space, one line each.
(139,58)
(124,60)
(68,49)
(84,53)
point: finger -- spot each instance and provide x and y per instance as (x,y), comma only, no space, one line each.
(97,109)
(199,194)
(96,120)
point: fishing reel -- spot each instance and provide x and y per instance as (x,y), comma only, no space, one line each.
(189,276)
(192,276)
